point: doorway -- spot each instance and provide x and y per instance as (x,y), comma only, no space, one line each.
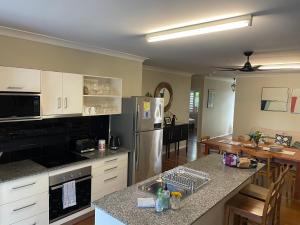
(194,108)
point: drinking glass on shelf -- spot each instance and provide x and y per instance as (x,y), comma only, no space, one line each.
(107,88)
(95,87)
(100,89)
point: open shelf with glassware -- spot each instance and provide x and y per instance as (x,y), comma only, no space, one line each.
(102,95)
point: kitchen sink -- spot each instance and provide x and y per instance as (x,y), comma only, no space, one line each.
(154,185)
(180,179)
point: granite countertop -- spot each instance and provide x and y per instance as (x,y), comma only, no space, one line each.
(224,180)
(20,169)
(101,155)
(25,168)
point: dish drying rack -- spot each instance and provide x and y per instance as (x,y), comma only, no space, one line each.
(186,178)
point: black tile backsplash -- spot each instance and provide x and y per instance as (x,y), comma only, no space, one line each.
(29,139)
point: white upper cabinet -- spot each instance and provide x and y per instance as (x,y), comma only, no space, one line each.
(61,93)
(19,79)
(52,93)
(72,93)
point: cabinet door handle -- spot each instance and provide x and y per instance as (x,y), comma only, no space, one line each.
(24,207)
(26,185)
(66,102)
(108,161)
(115,167)
(59,103)
(14,88)
(112,178)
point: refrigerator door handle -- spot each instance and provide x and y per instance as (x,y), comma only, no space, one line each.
(137,153)
(137,117)
(160,109)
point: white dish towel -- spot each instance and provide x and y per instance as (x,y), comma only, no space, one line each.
(69,194)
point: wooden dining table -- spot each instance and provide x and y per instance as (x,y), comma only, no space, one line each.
(239,148)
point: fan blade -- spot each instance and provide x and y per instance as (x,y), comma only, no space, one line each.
(227,68)
(256,67)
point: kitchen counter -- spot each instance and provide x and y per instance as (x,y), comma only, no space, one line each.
(206,206)
(24,168)
(19,169)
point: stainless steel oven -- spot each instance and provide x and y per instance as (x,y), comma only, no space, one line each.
(82,178)
(19,106)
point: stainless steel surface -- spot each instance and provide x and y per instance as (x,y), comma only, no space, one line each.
(148,154)
(61,116)
(25,185)
(186,178)
(24,207)
(14,88)
(154,185)
(76,181)
(20,119)
(145,120)
(68,176)
(19,93)
(136,132)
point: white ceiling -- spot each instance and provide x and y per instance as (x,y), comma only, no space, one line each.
(121,25)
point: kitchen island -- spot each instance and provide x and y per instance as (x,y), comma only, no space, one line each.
(205,206)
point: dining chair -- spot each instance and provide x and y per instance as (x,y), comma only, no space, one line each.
(256,211)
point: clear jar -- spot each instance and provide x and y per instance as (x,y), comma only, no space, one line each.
(175,202)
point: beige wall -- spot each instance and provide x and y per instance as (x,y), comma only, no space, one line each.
(28,54)
(218,120)
(181,86)
(247,108)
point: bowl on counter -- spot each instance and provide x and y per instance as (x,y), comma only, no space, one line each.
(276,148)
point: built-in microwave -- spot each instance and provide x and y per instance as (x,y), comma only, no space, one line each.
(19,106)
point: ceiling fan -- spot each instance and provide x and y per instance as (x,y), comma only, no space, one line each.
(246,68)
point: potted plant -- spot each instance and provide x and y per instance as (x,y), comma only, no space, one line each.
(256,137)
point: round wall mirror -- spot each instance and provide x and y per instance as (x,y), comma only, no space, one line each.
(165,91)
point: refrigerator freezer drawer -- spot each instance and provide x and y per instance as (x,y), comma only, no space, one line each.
(148,157)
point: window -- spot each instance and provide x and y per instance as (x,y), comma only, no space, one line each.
(194,101)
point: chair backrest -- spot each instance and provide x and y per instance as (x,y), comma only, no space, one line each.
(274,199)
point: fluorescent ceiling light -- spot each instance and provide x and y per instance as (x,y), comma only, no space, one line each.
(201,28)
(280,66)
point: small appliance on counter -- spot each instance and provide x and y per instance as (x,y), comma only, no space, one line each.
(85,145)
(114,143)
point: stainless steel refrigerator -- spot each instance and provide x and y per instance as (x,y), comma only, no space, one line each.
(140,128)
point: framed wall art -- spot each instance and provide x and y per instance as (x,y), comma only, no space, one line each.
(211,98)
(295,101)
(274,99)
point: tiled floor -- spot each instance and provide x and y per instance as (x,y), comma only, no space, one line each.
(290,215)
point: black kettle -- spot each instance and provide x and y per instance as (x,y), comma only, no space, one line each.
(114,143)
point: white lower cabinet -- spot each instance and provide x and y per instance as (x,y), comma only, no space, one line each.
(25,201)
(22,188)
(109,175)
(41,219)
(23,209)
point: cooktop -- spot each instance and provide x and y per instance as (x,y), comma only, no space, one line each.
(50,161)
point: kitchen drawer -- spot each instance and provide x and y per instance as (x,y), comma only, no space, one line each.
(41,219)
(22,188)
(23,209)
(109,182)
(20,80)
(109,168)
(110,161)
(115,183)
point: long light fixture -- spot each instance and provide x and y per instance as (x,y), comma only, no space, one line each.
(283,66)
(201,28)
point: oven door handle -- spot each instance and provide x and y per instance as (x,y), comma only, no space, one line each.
(76,181)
